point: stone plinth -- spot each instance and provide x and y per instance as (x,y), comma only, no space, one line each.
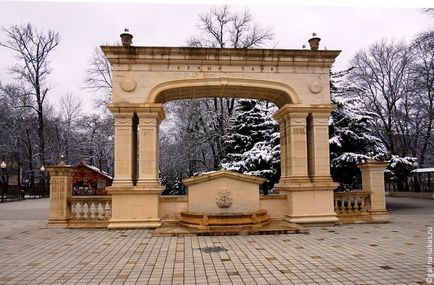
(135,207)
(373,181)
(60,190)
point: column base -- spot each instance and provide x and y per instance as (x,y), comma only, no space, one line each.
(57,223)
(312,219)
(135,206)
(134,224)
(379,216)
(310,203)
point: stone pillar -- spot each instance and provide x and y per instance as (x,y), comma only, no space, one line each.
(149,144)
(293,146)
(373,181)
(124,162)
(136,206)
(305,151)
(60,190)
(318,146)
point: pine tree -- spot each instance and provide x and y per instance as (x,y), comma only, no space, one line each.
(351,141)
(252,142)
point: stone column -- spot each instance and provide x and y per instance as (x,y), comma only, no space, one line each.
(60,190)
(124,162)
(318,146)
(373,181)
(149,145)
(309,201)
(137,206)
(293,146)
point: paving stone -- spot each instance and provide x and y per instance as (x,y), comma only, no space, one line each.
(393,253)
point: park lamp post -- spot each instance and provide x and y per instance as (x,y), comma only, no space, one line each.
(4,182)
(43,180)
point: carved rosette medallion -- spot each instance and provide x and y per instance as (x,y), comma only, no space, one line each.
(224,198)
(128,84)
(315,87)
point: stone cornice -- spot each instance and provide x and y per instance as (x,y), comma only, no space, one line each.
(222,173)
(218,56)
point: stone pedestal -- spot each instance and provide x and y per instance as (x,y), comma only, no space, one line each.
(305,165)
(135,207)
(60,190)
(373,181)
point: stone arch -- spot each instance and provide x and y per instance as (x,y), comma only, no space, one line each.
(161,74)
(276,92)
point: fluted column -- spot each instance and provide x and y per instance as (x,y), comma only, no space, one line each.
(124,149)
(148,136)
(293,147)
(318,146)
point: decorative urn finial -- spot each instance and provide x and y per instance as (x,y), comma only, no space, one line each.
(126,38)
(314,42)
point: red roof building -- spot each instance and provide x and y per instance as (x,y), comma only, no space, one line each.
(89,180)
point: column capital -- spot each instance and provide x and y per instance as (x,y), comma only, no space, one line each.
(138,108)
(325,109)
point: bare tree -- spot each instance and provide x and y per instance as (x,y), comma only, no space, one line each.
(71,112)
(98,77)
(32,49)
(381,77)
(423,81)
(224,28)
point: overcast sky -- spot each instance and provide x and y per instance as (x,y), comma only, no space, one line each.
(83,26)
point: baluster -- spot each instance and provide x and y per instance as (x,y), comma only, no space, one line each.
(81,211)
(336,204)
(362,203)
(353,202)
(341,204)
(108,208)
(103,214)
(89,211)
(96,213)
(73,211)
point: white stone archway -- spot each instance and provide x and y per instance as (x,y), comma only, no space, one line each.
(297,81)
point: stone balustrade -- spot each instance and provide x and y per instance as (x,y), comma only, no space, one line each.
(89,211)
(353,205)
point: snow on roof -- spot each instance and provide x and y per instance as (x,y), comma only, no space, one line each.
(423,170)
(96,169)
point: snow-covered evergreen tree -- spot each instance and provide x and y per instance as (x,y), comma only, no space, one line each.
(252,142)
(351,139)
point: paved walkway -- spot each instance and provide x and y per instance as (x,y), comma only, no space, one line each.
(394,253)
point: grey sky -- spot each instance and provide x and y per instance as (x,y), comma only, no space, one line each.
(83,26)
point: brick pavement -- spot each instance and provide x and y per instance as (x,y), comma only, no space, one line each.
(392,253)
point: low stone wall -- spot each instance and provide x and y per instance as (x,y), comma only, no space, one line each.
(423,195)
(171,206)
(275,204)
